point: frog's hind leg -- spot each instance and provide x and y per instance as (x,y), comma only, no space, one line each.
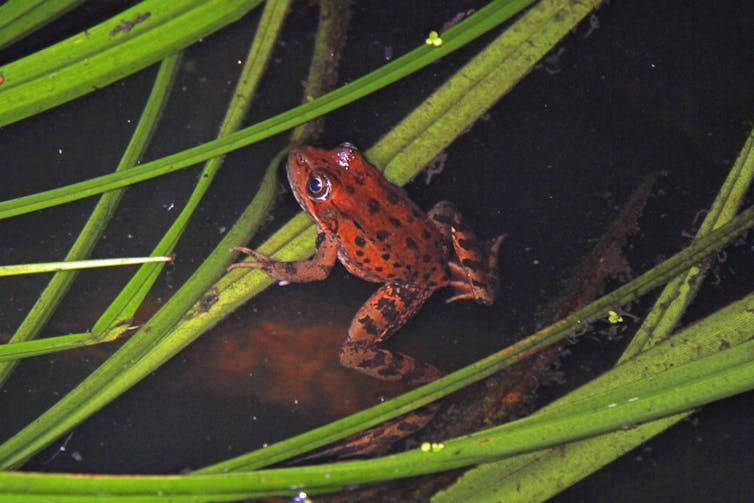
(386,311)
(473,274)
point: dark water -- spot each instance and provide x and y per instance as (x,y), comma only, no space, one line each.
(655,87)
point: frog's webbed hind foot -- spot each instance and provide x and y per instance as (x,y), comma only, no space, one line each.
(473,273)
(477,280)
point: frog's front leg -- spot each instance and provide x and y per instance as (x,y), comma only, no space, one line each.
(385,312)
(301,271)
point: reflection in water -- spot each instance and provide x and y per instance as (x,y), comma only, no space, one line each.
(279,364)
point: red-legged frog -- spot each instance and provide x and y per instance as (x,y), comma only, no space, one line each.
(380,235)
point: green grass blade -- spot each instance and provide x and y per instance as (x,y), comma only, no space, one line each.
(61,282)
(485,19)
(122,45)
(75,265)
(677,295)
(18,18)
(77,49)
(54,344)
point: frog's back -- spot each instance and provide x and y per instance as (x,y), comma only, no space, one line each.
(382,235)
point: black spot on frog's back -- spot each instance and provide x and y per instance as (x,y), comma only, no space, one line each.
(382,235)
(393,197)
(373,205)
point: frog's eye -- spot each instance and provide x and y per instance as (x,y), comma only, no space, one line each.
(348,144)
(319,186)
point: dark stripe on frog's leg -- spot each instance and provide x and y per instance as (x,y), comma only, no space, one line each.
(385,312)
(300,271)
(474,272)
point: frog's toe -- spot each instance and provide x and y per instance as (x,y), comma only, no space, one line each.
(243,249)
(260,261)
(251,265)
(460,295)
(492,251)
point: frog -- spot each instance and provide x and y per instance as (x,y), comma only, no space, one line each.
(380,235)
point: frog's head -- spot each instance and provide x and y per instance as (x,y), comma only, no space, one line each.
(326,182)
